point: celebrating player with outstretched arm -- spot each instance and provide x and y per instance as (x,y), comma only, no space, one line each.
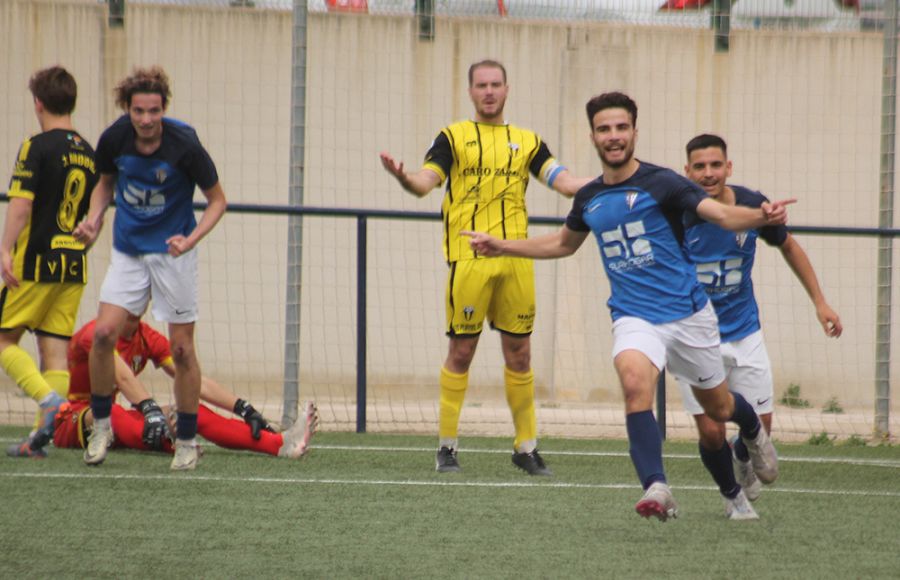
(724,266)
(661,315)
(152,163)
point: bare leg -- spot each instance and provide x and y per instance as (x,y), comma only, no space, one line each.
(187,367)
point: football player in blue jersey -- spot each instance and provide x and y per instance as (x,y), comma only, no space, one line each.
(152,164)
(661,315)
(724,262)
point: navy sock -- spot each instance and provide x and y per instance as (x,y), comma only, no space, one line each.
(718,464)
(101,406)
(740,450)
(745,417)
(645,447)
(186,426)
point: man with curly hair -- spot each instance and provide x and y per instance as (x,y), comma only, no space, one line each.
(152,163)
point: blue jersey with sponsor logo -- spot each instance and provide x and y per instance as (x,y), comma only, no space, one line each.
(154,193)
(638,225)
(724,262)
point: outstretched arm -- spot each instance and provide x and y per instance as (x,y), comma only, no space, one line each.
(567,184)
(419,183)
(738,218)
(215,394)
(799,262)
(559,244)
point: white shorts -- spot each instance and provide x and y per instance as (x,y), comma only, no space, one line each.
(687,348)
(172,283)
(748,371)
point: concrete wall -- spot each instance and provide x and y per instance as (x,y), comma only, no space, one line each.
(800,112)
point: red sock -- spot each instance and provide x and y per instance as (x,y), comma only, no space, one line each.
(234,433)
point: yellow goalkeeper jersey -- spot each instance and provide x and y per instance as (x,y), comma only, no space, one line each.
(487,171)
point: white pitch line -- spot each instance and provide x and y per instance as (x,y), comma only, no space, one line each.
(841,460)
(889,463)
(410,483)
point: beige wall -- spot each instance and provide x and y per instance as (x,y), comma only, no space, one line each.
(800,111)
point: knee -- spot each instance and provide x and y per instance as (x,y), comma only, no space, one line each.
(636,398)
(638,393)
(105,337)
(519,360)
(183,353)
(718,411)
(712,433)
(460,356)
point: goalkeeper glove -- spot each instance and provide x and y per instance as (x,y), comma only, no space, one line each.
(156,428)
(252,417)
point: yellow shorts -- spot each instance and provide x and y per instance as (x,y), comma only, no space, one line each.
(42,307)
(499,289)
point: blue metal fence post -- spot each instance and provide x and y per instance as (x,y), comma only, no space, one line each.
(361,243)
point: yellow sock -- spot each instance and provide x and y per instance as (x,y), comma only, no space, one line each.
(59,382)
(453,392)
(520,397)
(21,368)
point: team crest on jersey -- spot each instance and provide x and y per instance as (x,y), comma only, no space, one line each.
(468,311)
(161,175)
(630,198)
(136,363)
(514,147)
(740,238)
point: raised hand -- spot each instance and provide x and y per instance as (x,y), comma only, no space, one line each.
(776,211)
(395,168)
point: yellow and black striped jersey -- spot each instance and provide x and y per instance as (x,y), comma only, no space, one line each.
(487,171)
(56,171)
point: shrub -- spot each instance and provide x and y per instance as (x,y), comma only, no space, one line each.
(791,397)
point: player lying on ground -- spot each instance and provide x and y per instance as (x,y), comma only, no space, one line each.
(145,428)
